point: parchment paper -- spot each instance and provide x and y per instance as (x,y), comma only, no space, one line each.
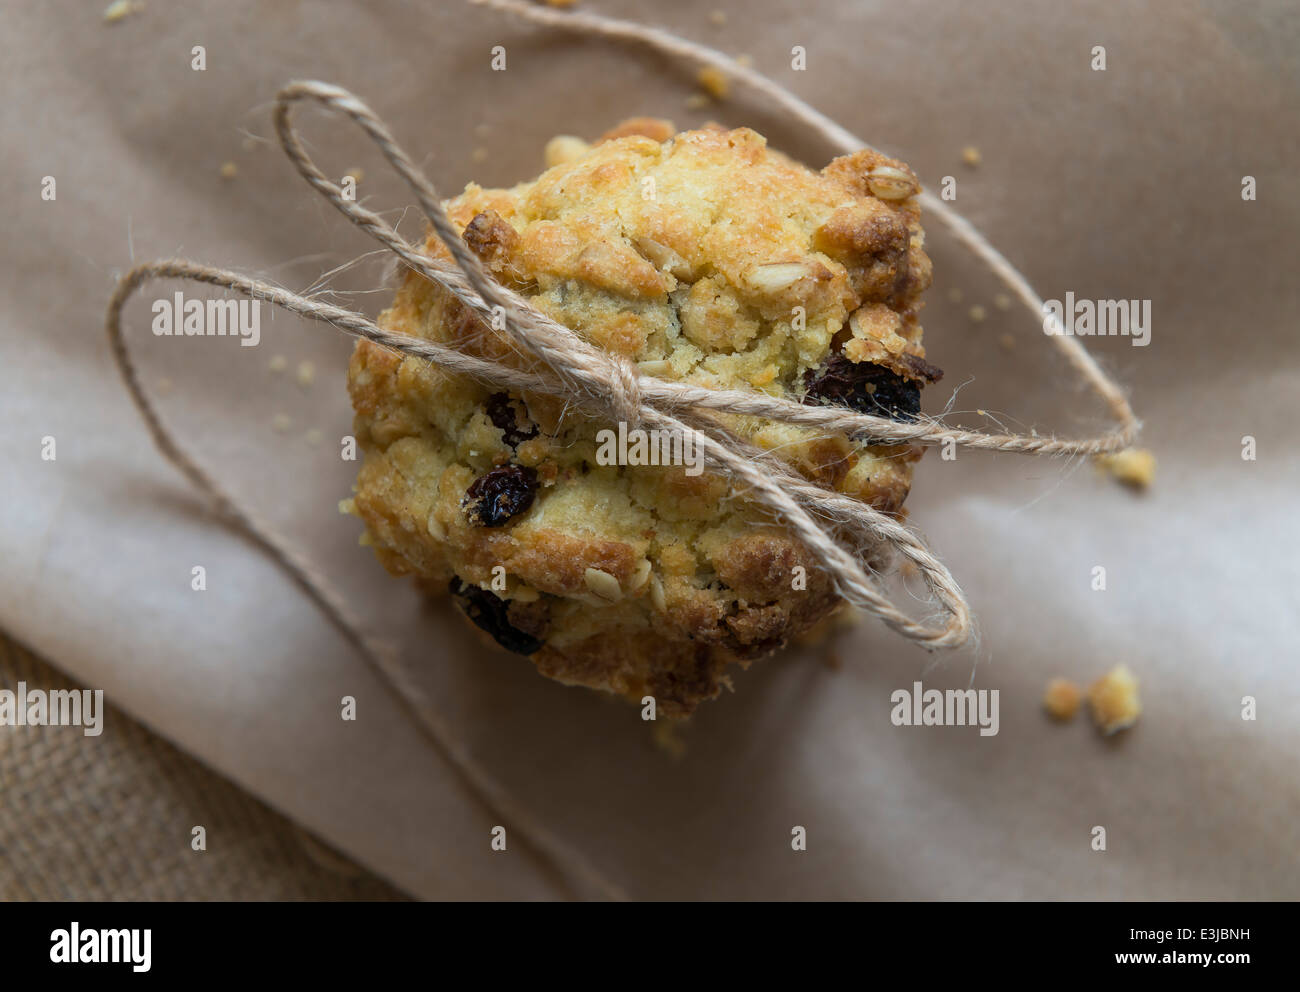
(1124,183)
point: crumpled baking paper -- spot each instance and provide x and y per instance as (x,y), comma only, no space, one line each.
(1121,183)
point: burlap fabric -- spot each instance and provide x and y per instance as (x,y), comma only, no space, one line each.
(110,818)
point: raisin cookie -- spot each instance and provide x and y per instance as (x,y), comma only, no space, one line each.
(706,258)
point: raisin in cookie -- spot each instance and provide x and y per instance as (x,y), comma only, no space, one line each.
(704,257)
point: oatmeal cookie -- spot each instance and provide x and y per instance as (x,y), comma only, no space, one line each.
(704,257)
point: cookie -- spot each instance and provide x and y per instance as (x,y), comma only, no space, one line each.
(705,257)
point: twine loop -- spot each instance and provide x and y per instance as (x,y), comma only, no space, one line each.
(842,534)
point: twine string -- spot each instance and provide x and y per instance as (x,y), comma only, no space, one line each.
(597,380)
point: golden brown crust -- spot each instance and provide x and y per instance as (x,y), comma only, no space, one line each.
(654,128)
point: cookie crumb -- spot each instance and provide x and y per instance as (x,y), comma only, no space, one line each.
(718,17)
(955,295)
(229,170)
(832,660)
(560,3)
(1061,699)
(281,422)
(313,437)
(1002,301)
(977,314)
(1008,341)
(479,155)
(745,61)
(306,374)
(714,82)
(564,148)
(971,156)
(356,174)
(1135,467)
(668,740)
(119,10)
(278,363)
(696,101)
(1114,700)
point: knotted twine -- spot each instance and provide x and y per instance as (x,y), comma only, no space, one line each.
(840,532)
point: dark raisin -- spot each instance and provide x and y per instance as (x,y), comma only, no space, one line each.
(864,387)
(499,494)
(491,614)
(919,370)
(504,412)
